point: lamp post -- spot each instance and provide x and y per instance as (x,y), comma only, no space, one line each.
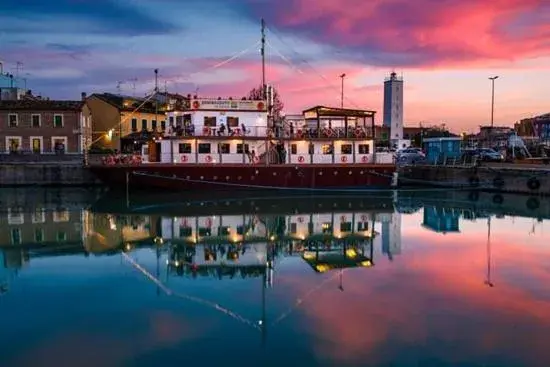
(342,91)
(492,79)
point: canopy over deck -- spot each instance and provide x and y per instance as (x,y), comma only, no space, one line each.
(325,117)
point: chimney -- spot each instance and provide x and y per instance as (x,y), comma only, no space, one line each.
(83,96)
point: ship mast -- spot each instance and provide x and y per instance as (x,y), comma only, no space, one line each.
(264,92)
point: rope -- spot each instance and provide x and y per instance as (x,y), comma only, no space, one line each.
(310,189)
(198,300)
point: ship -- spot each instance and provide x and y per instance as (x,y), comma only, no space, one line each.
(215,143)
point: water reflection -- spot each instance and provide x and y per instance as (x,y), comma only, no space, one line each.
(402,279)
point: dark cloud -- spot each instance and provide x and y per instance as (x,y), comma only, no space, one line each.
(62,16)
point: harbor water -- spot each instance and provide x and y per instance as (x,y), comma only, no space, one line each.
(389,278)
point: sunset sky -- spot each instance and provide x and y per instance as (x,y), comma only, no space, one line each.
(446,50)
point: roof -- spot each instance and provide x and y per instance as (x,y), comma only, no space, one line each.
(443,138)
(117,100)
(41,105)
(324,111)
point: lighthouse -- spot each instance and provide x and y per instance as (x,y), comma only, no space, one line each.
(393,107)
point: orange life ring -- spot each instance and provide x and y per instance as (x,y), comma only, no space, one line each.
(344,159)
(365,159)
(260,106)
(364,218)
(206,131)
(184,158)
(196,104)
(301,159)
(299,133)
(208,159)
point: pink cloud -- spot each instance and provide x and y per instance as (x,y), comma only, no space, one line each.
(423,32)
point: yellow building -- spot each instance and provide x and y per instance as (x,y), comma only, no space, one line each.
(119,124)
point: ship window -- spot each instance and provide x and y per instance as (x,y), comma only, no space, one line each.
(326,148)
(223,148)
(240,149)
(293,149)
(185,148)
(293,228)
(205,231)
(134,124)
(223,231)
(326,228)
(186,231)
(209,121)
(364,149)
(311,148)
(233,121)
(240,230)
(144,124)
(346,149)
(171,120)
(204,148)
(153,124)
(362,226)
(163,125)
(345,227)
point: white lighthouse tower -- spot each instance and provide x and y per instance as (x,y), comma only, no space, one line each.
(393,107)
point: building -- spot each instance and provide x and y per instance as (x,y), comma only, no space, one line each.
(538,127)
(209,115)
(391,234)
(393,106)
(440,149)
(124,122)
(44,126)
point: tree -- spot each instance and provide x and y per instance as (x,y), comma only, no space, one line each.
(278,105)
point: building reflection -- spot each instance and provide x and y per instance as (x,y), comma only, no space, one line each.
(441,219)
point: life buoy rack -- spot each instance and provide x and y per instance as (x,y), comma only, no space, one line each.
(474,181)
(533,183)
(498,182)
(365,159)
(206,131)
(208,159)
(196,105)
(301,159)
(344,159)
(532,203)
(184,158)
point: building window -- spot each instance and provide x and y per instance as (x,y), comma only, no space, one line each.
(185,148)
(13,144)
(57,120)
(223,148)
(61,236)
(171,120)
(346,149)
(364,149)
(38,216)
(61,215)
(163,125)
(15,236)
(134,125)
(12,120)
(293,148)
(38,235)
(35,119)
(204,148)
(15,216)
(36,144)
(59,144)
(240,149)
(154,125)
(326,149)
(209,121)
(233,121)
(144,125)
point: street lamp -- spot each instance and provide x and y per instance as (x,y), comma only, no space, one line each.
(492,79)
(342,91)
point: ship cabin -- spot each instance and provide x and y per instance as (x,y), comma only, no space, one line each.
(216,131)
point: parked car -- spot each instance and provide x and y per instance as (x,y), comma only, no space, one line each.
(482,154)
(410,156)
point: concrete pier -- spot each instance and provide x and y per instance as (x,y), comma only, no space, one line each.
(495,177)
(46,174)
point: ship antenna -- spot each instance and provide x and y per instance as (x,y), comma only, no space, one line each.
(264,92)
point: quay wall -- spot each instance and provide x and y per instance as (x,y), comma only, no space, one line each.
(46,174)
(500,178)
